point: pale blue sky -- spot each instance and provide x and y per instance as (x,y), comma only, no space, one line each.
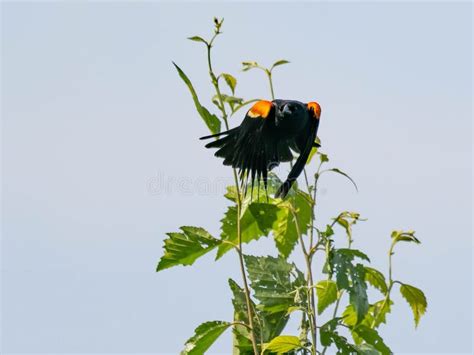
(95,118)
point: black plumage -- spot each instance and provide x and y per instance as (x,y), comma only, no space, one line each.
(266,137)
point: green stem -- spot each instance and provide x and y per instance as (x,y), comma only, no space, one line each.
(310,282)
(239,204)
(309,256)
(269,75)
(390,285)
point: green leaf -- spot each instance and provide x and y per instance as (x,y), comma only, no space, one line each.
(338,171)
(257,221)
(326,331)
(416,299)
(258,193)
(284,228)
(346,220)
(205,335)
(249,65)
(231,82)
(324,158)
(241,335)
(231,193)
(184,248)
(285,232)
(375,316)
(372,337)
(328,335)
(210,120)
(377,311)
(376,279)
(267,324)
(326,291)
(366,349)
(358,292)
(351,277)
(232,101)
(353,253)
(313,152)
(279,62)
(283,344)
(197,39)
(273,284)
(408,236)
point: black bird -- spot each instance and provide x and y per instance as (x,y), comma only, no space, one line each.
(266,137)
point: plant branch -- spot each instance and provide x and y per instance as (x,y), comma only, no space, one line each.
(215,83)
(391,282)
(270,81)
(312,308)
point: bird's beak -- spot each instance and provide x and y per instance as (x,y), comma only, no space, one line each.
(282,111)
(286,111)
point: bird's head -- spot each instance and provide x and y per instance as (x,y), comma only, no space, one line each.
(288,110)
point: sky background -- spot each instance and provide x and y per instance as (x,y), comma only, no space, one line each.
(100,158)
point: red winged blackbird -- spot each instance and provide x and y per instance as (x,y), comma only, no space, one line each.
(266,137)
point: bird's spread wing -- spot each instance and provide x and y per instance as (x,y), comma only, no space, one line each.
(251,148)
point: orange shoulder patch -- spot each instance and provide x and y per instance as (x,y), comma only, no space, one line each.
(260,109)
(315,109)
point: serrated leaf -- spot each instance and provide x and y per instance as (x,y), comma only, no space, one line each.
(328,336)
(257,221)
(283,344)
(376,279)
(326,291)
(377,311)
(231,81)
(375,316)
(204,336)
(231,193)
(416,299)
(267,325)
(351,278)
(358,292)
(273,281)
(279,62)
(197,39)
(284,228)
(241,335)
(184,248)
(211,120)
(353,253)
